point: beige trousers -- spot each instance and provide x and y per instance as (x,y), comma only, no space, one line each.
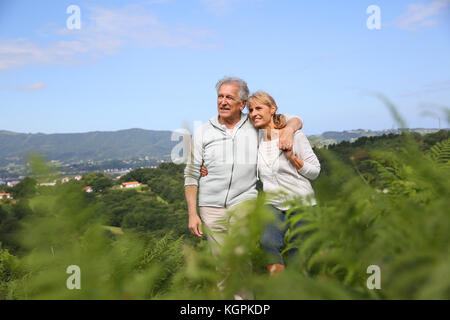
(217,221)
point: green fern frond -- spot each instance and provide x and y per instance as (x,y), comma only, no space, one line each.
(440,153)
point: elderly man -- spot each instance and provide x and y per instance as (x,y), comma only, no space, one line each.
(227,146)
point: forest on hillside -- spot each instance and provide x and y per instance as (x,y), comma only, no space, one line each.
(382,201)
(88,146)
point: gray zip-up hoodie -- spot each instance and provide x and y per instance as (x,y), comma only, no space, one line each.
(231,162)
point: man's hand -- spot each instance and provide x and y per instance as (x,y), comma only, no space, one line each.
(203,171)
(195,225)
(286,135)
(286,138)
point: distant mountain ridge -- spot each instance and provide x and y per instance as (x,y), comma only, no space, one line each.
(127,144)
(96,145)
(334,137)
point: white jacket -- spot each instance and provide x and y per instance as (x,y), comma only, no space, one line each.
(283,175)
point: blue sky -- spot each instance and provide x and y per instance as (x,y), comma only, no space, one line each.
(153,64)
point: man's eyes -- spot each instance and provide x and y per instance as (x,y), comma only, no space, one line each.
(228,97)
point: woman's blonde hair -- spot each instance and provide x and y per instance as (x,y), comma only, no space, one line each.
(266,99)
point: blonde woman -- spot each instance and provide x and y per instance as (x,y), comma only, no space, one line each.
(284,173)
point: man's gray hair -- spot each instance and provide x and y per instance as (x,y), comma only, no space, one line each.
(243,88)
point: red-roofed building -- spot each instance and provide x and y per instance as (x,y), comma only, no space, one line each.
(88,189)
(132,184)
(65,179)
(5,196)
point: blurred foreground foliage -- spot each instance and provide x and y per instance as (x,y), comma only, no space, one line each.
(382,201)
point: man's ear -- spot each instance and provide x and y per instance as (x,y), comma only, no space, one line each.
(244,103)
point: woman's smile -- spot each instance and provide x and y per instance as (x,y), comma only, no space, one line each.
(260,115)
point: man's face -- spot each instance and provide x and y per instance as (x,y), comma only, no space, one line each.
(228,103)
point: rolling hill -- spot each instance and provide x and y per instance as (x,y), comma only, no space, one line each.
(127,144)
(96,146)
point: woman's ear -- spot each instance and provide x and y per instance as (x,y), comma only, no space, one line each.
(273,110)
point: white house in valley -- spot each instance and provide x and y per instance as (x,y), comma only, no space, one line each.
(132,184)
(65,179)
(12,183)
(48,184)
(5,196)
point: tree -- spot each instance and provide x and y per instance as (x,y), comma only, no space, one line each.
(25,188)
(98,181)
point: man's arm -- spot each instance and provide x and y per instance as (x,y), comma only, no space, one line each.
(287,133)
(195,224)
(191,177)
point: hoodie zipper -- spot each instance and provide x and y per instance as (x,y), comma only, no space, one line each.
(232,165)
(231,176)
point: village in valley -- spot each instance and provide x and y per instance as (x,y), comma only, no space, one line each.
(88,189)
(123,185)
(8,182)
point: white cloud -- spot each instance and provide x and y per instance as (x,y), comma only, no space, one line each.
(427,89)
(220,7)
(38,86)
(105,31)
(420,15)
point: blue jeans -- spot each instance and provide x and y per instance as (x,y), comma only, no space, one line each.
(273,235)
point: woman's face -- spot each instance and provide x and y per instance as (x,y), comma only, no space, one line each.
(260,114)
